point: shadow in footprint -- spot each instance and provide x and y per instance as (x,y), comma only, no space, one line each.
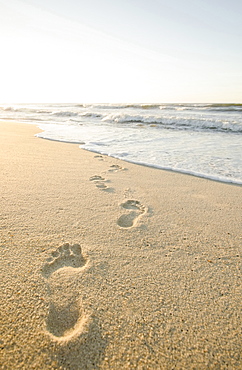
(62,321)
(136,210)
(127,221)
(116,168)
(86,352)
(97,178)
(65,318)
(100,183)
(99,157)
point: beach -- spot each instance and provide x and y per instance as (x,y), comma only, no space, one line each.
(112,265)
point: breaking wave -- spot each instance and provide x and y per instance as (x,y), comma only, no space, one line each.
(64,114)
(177,123)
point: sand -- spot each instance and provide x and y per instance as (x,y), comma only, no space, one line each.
(110,265)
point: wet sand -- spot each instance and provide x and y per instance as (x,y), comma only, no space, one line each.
(110,265)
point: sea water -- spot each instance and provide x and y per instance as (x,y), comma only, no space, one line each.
(200,139)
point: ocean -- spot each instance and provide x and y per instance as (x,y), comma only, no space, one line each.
(200,139)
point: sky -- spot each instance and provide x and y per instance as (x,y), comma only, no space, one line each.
(120,51)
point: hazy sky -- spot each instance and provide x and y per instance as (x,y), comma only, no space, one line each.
(120,51)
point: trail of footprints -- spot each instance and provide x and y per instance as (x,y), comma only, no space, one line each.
(134,209)
(66,318)
(102,183)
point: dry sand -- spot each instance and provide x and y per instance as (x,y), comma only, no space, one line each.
(110,265)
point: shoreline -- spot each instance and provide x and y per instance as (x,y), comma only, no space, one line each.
(176,138)
(146,165)
(162,168)
(109,264)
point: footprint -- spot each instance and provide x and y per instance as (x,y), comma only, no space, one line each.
(130,219)
(97,178)
(99,157)
(116,168)
(100,183)
(65,318)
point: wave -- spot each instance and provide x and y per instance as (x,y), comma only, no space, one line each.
(25,110)
(209,107)
(124,118)
(176,122)
(9,109)
(66,109)
(226,107)
(91,115)
(107,106)
(64,114)
(143,106)
(44,111)
(194,117)
(124,106)
(150,106)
